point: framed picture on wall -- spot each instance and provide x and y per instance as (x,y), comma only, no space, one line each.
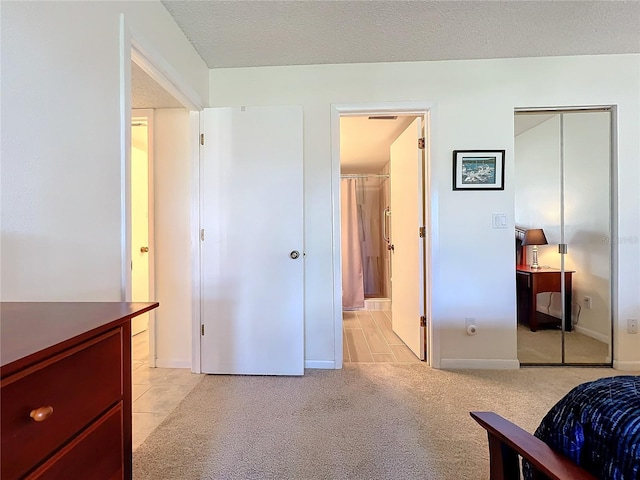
(478,169)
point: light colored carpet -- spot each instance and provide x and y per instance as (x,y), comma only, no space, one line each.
(545,346)
(373,421)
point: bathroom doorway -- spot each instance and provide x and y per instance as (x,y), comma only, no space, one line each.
(382,219)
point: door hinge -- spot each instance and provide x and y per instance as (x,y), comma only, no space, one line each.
(202,234)
(562,248)
(423,321)
(421,143)
(423,232)
(202,329)
(201,139)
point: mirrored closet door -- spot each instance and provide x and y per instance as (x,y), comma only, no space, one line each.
(563,236)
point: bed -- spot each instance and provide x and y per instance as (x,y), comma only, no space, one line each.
(593,432)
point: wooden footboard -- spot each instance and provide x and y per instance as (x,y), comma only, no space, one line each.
(507,441)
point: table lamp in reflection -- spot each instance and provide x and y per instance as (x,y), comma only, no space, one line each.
(534,237)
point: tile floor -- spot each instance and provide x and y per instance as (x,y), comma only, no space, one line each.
(367,337)
(156,391)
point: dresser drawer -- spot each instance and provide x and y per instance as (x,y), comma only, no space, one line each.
(79,384)
(96,453)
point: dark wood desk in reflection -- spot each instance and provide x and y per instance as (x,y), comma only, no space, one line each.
(530,282)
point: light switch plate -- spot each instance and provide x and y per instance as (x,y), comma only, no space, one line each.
(499,220)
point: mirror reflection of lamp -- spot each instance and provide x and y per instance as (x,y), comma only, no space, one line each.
(534,237)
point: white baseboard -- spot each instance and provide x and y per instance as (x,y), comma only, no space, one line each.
(173,363)
(626,366)
(323,364)
(590,333)
(478,364)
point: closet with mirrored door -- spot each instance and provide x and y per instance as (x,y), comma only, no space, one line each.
(563,236)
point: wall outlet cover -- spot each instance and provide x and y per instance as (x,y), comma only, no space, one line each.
(632,326)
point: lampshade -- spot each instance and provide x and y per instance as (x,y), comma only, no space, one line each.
(535,236)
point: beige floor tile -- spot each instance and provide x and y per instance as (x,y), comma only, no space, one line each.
(384,358)
(181,376)
(161,398)
(373,334)
(358,348)
(140,346)
(350,320)
(370,338)
(147,375)
(403,354)
(143,425)
(138,390)
(136,364)
(345,348)
(384,324)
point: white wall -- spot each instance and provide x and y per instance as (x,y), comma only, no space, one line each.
(64,135)
(475,100)
(172,182)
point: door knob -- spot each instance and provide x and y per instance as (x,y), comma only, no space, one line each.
(294,254)
(144,249)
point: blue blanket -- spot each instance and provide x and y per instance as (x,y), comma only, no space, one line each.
(597,425)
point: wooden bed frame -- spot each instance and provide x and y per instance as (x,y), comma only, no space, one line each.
(507,441)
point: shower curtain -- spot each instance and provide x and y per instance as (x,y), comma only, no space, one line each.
(361,241)
(352,273)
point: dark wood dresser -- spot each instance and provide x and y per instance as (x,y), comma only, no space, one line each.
(65,399)
(530,282)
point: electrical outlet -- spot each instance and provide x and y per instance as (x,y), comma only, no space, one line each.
(586,301)
(632,325)
(469,321)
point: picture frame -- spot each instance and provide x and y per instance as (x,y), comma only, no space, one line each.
(478,169)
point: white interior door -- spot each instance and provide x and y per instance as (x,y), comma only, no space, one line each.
(252,254)
(139,220)
(407,276)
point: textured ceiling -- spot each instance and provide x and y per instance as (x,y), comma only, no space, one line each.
(240,33)
(244,33)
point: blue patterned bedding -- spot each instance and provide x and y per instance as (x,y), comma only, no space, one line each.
(597,425)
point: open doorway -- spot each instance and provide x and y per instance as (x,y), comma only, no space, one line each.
(157,195)
(142,229)
(382,219)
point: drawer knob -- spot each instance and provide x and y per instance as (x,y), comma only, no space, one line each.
(41,414)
